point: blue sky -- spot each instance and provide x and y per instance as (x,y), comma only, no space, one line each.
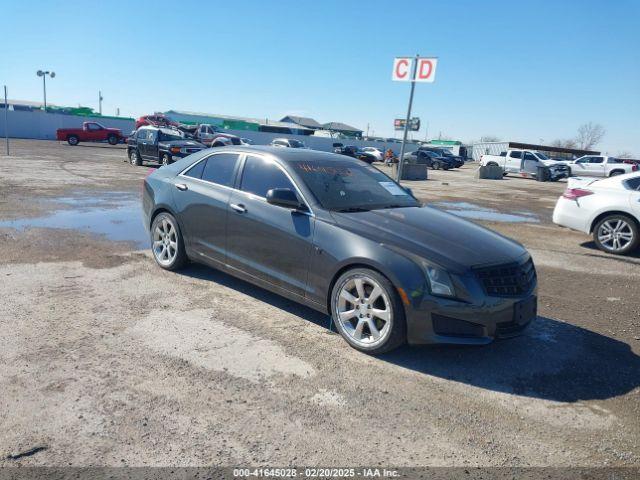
(520,70)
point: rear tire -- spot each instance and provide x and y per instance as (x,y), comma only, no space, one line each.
(617,234)
(73,140)
(112,139)
(367,311)
(167,244)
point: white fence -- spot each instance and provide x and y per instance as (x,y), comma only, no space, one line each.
(40,125)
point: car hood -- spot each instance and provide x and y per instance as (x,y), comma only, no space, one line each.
(553,163)
(182,143)
(426,232)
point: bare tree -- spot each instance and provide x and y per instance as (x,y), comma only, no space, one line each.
(489,138)
(567,143)
(625,154)
(589,135)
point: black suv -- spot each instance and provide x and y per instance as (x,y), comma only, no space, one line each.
(430,159)
(457,160)
(355,152)
(159,144)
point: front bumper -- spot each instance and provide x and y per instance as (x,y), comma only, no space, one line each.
(453,322)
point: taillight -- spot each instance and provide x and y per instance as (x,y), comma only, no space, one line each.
(576,193)
(634,167)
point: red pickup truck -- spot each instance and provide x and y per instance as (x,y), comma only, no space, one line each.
(90,132)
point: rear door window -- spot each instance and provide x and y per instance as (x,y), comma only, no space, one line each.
(260,175)
(515,155)
(196,170)
(220,169)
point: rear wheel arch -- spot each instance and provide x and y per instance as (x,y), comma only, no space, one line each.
(608,213)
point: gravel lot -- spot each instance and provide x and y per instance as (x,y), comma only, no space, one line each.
(108,360)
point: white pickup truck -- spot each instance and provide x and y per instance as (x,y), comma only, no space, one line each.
(525,163)
(600,166)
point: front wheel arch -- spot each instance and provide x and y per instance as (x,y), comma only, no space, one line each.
(613,173)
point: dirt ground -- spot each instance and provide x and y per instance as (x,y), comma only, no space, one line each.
(109,360)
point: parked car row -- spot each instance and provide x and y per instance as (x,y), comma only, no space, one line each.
(531,163)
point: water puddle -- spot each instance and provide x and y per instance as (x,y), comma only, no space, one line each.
(117,216)
(476,212)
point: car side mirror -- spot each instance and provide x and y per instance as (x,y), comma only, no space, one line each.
(284,197)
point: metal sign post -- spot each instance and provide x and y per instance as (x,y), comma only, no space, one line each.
(423,70)
(6,119)
(406,123)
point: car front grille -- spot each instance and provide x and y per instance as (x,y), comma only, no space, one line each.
(509,280)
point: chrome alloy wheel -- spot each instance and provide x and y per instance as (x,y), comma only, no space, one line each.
(615,234)
(364,311)
(165,242)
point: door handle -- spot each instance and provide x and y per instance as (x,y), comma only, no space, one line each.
(238,208)
(182,187)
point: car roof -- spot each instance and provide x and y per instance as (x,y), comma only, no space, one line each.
(290,154)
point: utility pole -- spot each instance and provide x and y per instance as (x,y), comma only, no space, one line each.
(6,119)
(100,102)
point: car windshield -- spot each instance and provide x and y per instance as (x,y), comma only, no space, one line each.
(447,153)
(348,186)
(165,136)
(541,156)
(296,144)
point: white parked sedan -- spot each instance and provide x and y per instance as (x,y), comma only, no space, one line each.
(609,209)
(375,152)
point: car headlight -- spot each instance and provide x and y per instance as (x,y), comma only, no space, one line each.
(175,149)
(440,282)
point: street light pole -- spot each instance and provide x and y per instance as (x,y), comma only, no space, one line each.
(43,74)
(6,119)
(100,102)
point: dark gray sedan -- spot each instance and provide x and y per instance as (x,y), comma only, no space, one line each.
(338,235)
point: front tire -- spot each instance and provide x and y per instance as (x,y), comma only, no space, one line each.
(167,244)
(617,234)
(166,159)
(615,173)
(134,158)
(73,140)
(367,311)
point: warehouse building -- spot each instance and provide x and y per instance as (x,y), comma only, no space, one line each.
(303,121)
